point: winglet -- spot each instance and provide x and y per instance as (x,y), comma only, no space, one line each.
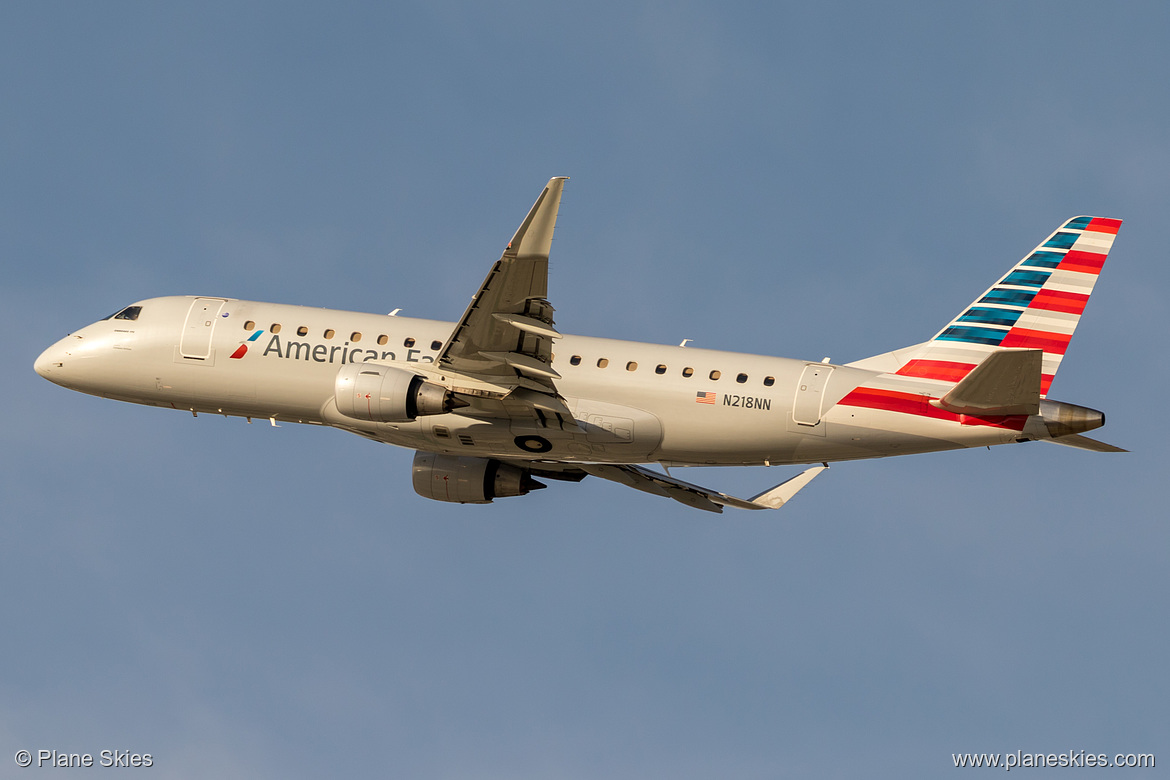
(534,236)
(782,493)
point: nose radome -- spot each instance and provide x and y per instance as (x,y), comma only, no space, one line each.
(49,360)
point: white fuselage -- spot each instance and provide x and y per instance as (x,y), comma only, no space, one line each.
(634,402)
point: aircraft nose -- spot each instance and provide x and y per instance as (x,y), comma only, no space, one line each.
(49,361)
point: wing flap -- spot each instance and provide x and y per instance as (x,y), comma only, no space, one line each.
(526,363)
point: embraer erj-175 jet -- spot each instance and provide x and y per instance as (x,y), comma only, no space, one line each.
(502,397)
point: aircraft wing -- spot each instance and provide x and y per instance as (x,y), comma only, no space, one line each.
(505,336)
(699,497)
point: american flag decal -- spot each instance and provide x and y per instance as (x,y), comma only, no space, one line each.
(704,398)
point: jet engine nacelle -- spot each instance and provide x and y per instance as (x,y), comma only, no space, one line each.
(465,480)
(377,393)
(1063,419)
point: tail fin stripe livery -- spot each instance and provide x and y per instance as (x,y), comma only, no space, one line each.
(1055,300)
(945,370)
(1027,278)
(1048,321)
(986,316)
(1035,305)
(989,336)
(1062,240)
(1045,259)
(1072,281)
(1103,225)
(1054,343)
(1085,262)
(1008,297)
(1062,271)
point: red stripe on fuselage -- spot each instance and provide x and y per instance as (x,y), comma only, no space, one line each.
(918,404)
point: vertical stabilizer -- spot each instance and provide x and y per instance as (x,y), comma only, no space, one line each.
(1036,305)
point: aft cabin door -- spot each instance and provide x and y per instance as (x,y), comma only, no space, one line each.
(806,410)
(195,343)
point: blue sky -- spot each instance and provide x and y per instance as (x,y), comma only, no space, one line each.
(792,179)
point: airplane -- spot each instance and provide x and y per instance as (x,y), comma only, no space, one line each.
(500,398)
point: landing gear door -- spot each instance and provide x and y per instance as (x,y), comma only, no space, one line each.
(806,410)
(195,341)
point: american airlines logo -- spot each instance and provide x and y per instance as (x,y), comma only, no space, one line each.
(243,348)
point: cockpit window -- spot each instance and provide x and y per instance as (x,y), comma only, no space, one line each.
(129,313)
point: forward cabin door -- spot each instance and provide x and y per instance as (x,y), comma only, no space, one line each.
(195,341)
(806,410)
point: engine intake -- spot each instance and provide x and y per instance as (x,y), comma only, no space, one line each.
(377,393)
(465,480)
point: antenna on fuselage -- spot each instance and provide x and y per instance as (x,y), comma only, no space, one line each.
(394,313)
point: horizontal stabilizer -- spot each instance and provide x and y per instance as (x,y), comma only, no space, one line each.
(1085,443)
(699,497)
(1007,382)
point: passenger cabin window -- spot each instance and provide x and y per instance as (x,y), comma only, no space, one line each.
(631,366)
(355,336)
(741,378)
(383,339)
(602,362)
(575,360)
(302,331)
(436,344)
(769,381)
(408,343)
(275,327)
(129,313)
(250,325)
(660,369)
(688,371)
(329,333)
(715,375)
